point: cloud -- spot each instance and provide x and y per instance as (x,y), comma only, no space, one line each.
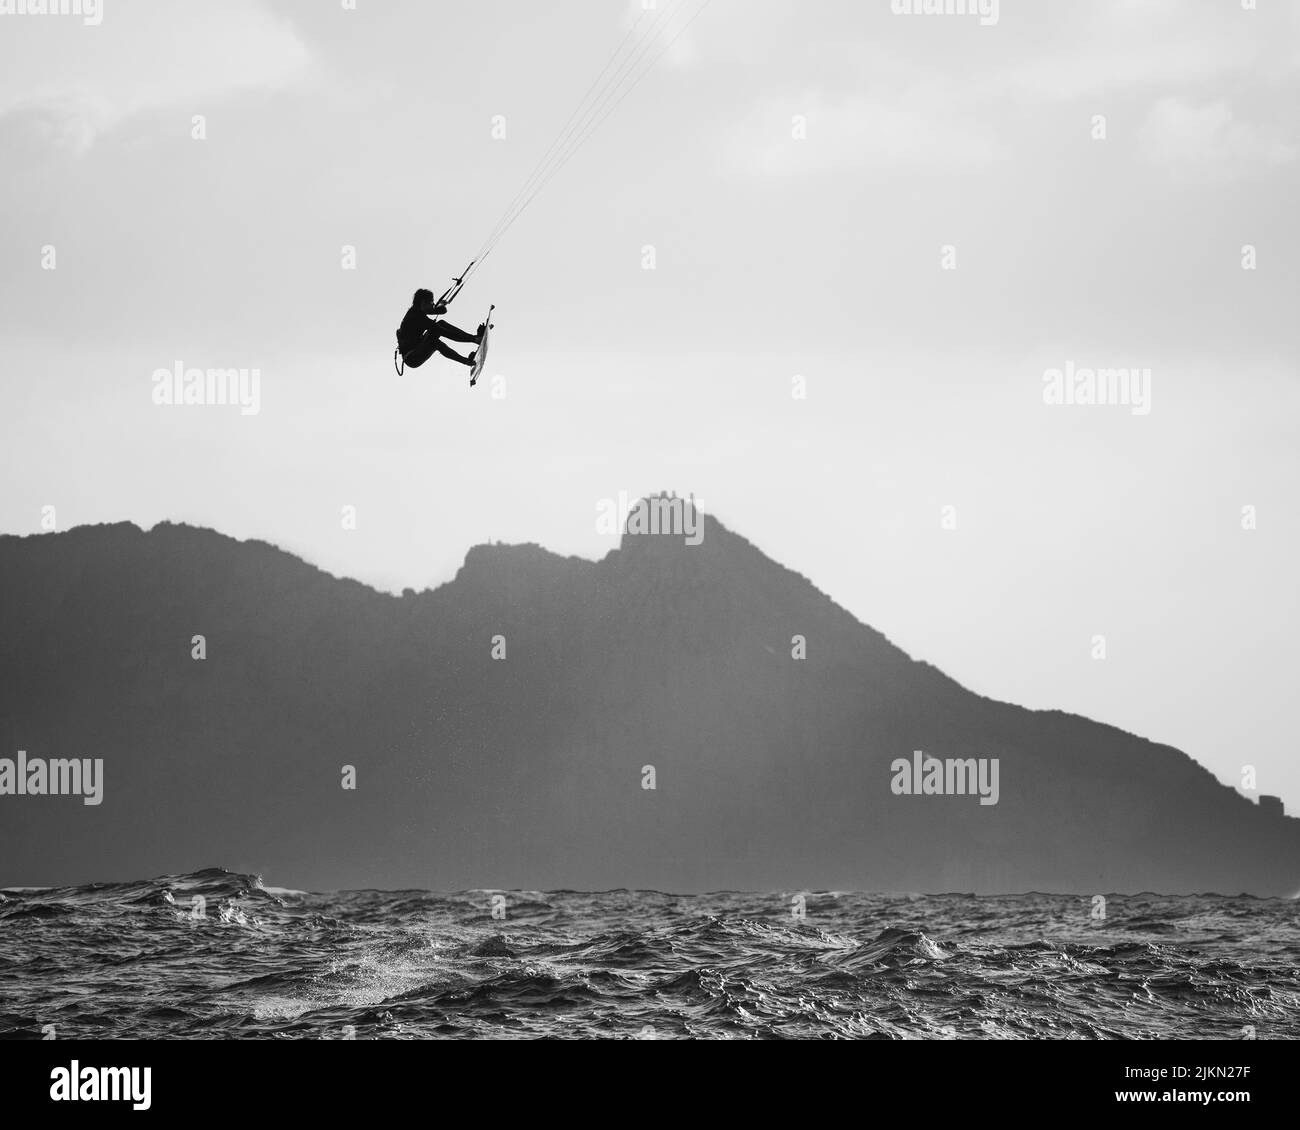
(63,86)
(66,122)
(858,133)
(1209,140)
(1066,76)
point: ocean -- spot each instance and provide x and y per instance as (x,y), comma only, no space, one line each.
(218,955)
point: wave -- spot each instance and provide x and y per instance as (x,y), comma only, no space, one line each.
(132,960)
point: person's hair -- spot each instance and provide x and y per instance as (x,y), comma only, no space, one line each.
(420,296)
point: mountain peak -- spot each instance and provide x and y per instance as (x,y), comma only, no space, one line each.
(665,520)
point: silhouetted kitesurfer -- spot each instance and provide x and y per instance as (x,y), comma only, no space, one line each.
(418,338)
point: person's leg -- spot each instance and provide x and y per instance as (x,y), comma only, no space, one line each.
(426,347)
(447,330)
(447,351)
(420,352)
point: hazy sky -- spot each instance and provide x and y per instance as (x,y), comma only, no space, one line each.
(776,256)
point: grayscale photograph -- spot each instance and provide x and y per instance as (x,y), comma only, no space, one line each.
(660,520)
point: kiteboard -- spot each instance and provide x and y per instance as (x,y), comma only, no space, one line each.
(480,354)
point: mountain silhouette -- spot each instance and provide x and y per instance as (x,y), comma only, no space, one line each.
(526,771)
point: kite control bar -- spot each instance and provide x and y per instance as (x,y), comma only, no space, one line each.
(449,295)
